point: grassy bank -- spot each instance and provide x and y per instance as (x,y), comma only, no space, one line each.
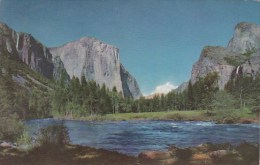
(170,115)
(227,116)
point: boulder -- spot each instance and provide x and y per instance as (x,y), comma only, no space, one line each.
(7,145)
(172,150)
(154,155)
(219,154)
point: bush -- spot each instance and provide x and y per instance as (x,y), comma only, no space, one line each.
(183,154)
(227,116)
(11,128)
(223,100)
(53,136)
(229,120)
(175,116)
(25,141)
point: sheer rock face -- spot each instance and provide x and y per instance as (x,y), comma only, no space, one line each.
(130,86)
(182,87)
(252,66)
(34,54)
(93,59)
(97,61)
(212,60)
(217,59)
(29,50)
(246,37)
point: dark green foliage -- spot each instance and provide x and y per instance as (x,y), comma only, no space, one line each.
(190,96)
(204,91)
(223,100)
(53,136)
(183,154)
(233,61)
(249,53)
(11,127)
(246,90)
(228,116)
(39,104)
(238,60)
(29,100)
(197,96)
(83,98)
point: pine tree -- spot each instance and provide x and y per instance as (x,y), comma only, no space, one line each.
(190,95)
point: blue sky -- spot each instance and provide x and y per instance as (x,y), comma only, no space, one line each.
(159,40)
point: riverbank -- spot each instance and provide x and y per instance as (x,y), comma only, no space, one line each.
(204,154)
(66,155)
(223,117)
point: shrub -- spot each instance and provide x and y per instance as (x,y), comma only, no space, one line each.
(222,100)
(25,141)
(11,128)
(229,120)
(53,136)
(227,116)
(233,61)
(175,116)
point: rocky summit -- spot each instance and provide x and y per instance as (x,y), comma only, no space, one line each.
(240,57)
(87,57)
(246,37)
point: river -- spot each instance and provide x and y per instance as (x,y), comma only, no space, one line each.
(132,137)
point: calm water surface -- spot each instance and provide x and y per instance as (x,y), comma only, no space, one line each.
(132,137)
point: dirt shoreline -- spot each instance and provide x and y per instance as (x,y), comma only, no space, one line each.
(204,154)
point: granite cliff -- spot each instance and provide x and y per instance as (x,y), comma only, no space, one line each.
(34,54)
(240,57)
(97,61)
(87,57)
(246,37)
